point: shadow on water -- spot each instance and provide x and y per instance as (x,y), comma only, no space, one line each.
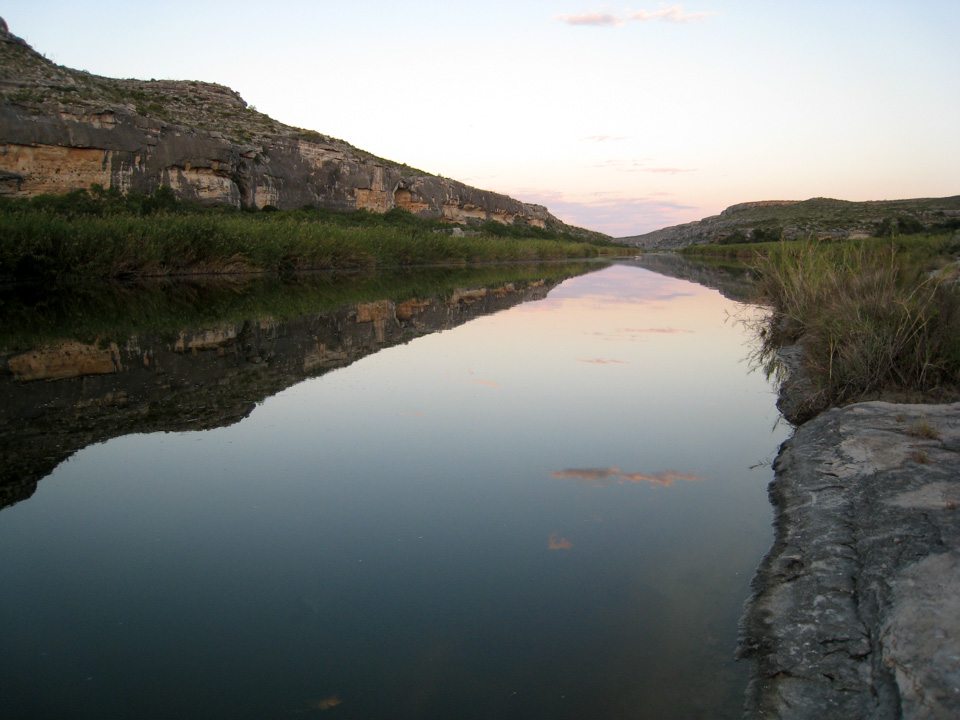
(80,365)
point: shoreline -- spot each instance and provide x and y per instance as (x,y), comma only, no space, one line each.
(855,610)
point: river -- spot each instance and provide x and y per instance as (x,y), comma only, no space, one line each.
(442,495)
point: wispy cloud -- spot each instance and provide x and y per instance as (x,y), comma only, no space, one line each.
(666,170)
(605,138)
(603,361)
(615,214)
(555,542)
(667,13)
(591,19)
(673,14)
(640,166)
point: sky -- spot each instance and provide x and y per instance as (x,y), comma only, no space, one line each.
(618,118)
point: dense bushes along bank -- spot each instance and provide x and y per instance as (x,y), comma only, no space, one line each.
(105,234)
(875,318)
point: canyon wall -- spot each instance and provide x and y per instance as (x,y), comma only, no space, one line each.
(63,129)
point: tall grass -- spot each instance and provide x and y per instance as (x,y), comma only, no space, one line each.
(50,246)
(870,317)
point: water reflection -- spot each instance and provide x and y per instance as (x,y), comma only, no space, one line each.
(398,536)
(83,365)
(604,477)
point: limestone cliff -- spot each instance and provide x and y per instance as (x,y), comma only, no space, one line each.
(64,129)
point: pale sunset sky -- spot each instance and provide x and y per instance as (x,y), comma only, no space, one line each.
(619,118)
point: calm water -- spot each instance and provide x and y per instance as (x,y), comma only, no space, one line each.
(547,512)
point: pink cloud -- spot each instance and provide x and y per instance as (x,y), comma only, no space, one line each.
(603,361)
(591,19)
(640,166)
(616,215)
(672,14)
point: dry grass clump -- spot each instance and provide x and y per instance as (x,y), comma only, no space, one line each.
(922,428)
(868,319)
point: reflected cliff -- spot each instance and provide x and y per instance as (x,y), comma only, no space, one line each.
(734,280)
(84,365)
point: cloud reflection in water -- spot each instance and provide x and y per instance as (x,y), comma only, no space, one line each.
(604,477)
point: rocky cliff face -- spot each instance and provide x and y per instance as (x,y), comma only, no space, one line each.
(64,129)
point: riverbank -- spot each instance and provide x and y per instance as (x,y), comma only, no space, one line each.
(856,609)
(103,234)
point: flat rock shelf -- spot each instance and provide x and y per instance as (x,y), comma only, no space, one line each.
(856,608)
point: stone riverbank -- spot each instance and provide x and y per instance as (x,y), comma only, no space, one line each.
(856,608)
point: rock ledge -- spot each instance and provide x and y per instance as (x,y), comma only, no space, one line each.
(856,608)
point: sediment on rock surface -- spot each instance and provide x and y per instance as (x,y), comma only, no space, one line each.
(855,612)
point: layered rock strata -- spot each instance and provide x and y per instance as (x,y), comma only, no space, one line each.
(64,129)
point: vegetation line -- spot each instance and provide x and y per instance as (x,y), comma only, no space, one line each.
(877,318)
(104,234)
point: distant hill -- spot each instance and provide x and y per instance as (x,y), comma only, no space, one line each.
(63,129)
(817,217)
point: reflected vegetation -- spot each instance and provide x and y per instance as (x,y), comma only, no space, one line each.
(415,536)
(734,280)
(88,363)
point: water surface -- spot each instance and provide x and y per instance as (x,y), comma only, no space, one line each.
(544,512)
